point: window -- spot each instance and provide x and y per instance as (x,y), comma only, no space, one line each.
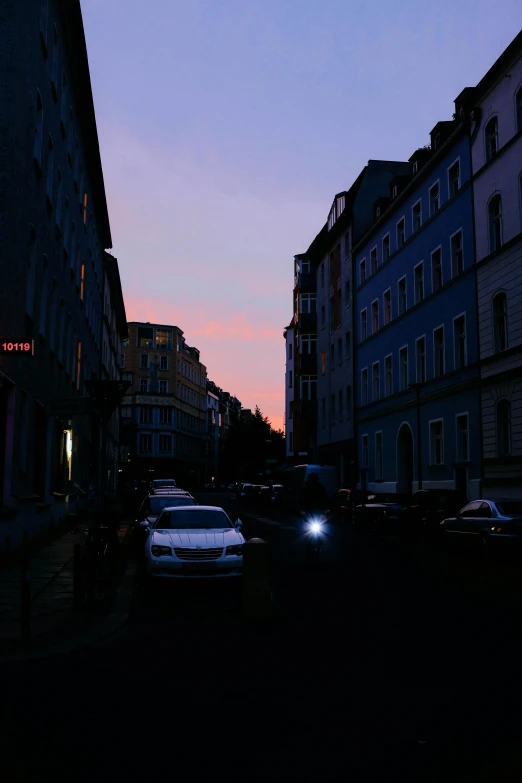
(362,271)
(145,415)
(163,387)
(165,443)
(378,456)
(332,408)
(78,364)
(321,270)
(434,198)
(308,344)
(340,405)
(416,216)
(375,316)
(388,375)
(500,321)
(376,381)
(394,191)
(164,339)
(347,349)
(339,309)
(495,223)
(164,362)
(518,102)
(122,361)
(420,355)
(38,131)
(54,64)
(364,386)
(437,442)
(415,166)
(401,233)
(323,317)
(462,450)
(323,412)
(308,303)
(386,247)
(339,350)
(419,282)
(454,178)
(459,341)
(365,457)
(308,388)
(144,385)
(82,282)
(503,428)
(457,259)
(364,324)
(386,301)
(438,352)
(290,379)
(347,294)
(373,260)
(50,171)
(491,134)
(323,362)
(377,212)
(332,357)
(144,361)
(59,195)
(145,337)
(402,295)
(145,443)
(436,270)
(403,367)
(348,402)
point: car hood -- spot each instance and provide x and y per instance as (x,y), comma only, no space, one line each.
(204,538)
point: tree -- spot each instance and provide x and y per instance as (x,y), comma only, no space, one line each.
(247,445)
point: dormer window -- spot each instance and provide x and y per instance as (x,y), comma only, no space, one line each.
(394,191)
(415,166)
(340,206)
(378,212)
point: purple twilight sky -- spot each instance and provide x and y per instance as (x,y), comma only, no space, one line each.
(227,126)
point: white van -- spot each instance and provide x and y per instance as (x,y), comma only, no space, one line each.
(296,477)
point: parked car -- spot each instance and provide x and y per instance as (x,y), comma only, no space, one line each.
(426,510)
(491,525)
(194,542)
(379,514)
(344,502)
(162,483)
(152,507)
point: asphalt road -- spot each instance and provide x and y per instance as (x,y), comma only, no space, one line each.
(377,666)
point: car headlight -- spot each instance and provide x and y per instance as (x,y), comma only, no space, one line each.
(315,528)
(236,549)
(158,551)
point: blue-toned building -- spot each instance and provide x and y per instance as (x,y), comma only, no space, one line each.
(416,327)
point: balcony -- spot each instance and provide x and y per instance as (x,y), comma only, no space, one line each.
(305,281)
(307,322)
(308,364)
(308,409)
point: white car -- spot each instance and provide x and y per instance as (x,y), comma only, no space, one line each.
(194,542)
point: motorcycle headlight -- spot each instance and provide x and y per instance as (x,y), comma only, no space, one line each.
(315,527)
(158,551)
(236,549)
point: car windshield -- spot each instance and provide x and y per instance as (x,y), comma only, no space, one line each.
(202,518)
(510,507)
(157,504)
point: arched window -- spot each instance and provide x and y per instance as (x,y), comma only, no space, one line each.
(500,322)
(491,133)
(495,223)
(503,428)
(518,100)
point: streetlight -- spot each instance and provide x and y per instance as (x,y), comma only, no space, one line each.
(417,388)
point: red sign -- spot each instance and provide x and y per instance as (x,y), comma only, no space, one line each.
(15,346)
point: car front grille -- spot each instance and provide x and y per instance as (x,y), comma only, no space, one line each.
(198,554)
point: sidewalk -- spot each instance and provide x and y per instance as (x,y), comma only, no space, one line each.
(56,628)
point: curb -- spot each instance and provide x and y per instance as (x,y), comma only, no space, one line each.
(109,626)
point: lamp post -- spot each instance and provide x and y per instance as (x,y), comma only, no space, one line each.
(417,388)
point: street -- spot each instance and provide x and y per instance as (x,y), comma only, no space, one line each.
(377,666)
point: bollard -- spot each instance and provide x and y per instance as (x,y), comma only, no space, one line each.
(77,577)
(256,589)
(25,600)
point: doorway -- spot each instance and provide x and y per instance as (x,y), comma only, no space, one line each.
(404,460)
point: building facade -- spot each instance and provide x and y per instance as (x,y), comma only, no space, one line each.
(165,409)
(54,226)
(351,213)
(495,126)
(213,422)
(288,335)
(417,375)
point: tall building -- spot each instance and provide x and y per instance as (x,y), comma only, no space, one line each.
(54,227)
(350,215)
(164,412)
(494,112)
(417,380)
(289,338)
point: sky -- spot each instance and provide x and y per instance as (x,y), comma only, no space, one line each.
(226,127)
